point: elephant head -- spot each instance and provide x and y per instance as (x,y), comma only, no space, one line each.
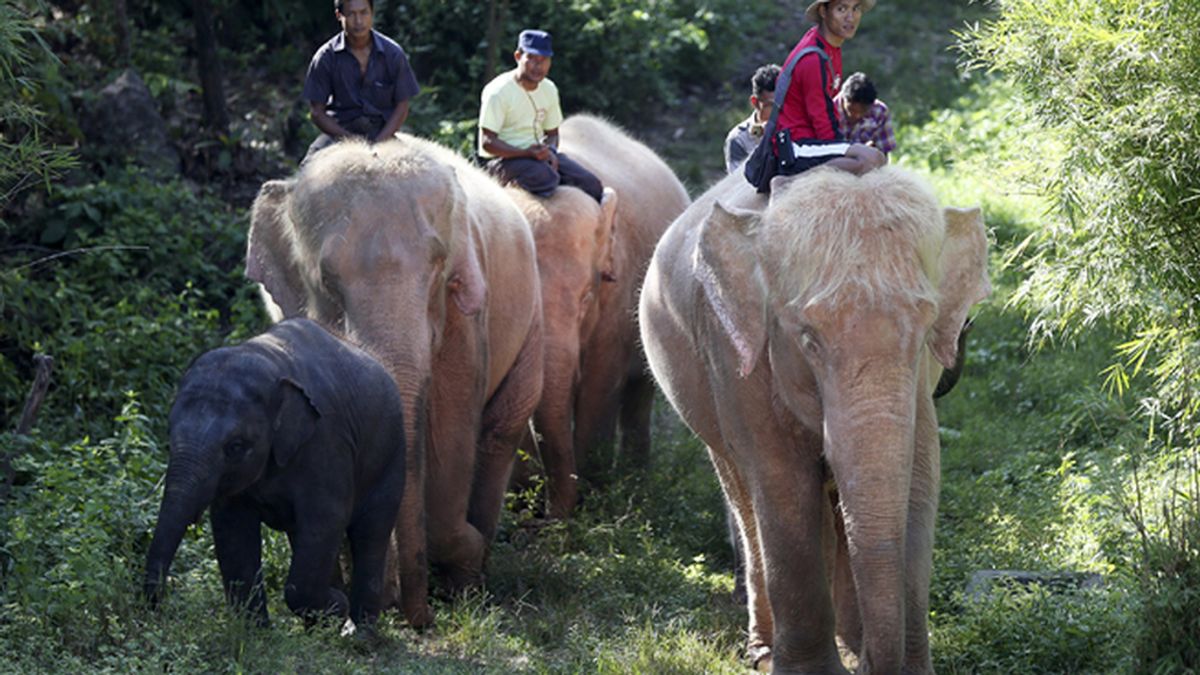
(235,418)
(850,291)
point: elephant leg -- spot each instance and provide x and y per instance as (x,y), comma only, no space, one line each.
(238,545)
(787,489)
(370,544)
(636,406)
(553,420)
(505,420)
(922,510)
(761,625)
(597,402)
(314,556)
(455,545)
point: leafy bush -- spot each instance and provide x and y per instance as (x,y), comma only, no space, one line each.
(114,300)
(617,57)
(1113,79)
(25,157)
(1032,630)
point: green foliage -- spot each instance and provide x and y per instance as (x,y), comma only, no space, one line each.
(617,57)
(1036,631)
(26,158)
(1126,195)
(75,535)
(1126,189)
(118,307)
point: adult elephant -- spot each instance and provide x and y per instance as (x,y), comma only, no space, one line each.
(421,258)
(596,379)
(573,235)
(801,339)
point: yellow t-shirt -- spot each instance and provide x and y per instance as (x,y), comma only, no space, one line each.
(519,117)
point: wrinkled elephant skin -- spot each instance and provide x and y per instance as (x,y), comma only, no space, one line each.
(801,339)
(420,257)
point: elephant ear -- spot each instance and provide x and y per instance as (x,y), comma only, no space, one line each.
(269,258)
(727,267)
(964,282)
(464,275)
(294,422)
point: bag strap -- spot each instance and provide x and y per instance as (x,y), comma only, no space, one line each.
(784,80)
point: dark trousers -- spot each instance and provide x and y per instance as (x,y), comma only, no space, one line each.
(366,127)
(541,179)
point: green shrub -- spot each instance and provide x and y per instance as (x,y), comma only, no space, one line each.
(141,278)
(1113,80)
(1032,630)
(616,57)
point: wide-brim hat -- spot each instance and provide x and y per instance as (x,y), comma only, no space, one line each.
(812,15)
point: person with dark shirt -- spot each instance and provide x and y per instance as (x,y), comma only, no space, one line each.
(359,82)
(807,112)
(744,137)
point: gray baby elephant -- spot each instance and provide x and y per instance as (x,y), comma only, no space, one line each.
(301,431)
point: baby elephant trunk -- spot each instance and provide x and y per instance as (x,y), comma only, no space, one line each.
(183,503)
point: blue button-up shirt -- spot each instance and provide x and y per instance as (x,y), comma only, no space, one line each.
(334,78)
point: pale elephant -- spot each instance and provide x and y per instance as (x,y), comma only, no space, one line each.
(598,381)
(801,340)
(574,239)
(422,259)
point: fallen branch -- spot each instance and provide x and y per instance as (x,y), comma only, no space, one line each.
(42,365)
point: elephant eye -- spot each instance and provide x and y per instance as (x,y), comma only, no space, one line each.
(236,450)
(809,343)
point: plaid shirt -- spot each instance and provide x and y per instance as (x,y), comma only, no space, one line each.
(875,126)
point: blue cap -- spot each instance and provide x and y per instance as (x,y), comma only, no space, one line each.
(535,42)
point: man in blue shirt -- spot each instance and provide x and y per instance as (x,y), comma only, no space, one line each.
(359,82)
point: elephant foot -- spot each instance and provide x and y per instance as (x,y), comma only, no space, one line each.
(419,615)
(758,657)
(461,579)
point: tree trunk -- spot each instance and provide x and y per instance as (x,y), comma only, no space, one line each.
(41,383)
(215,113)
(121,31)
(497,12)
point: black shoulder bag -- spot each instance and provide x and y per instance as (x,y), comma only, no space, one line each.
(764,164)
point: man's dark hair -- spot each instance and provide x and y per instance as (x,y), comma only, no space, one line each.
(858,88)
(764,79)
(339,4)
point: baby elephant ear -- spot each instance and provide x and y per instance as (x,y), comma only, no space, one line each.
(294,422)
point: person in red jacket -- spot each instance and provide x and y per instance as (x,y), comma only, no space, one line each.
(807,112)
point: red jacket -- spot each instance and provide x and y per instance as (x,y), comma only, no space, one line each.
(808,112)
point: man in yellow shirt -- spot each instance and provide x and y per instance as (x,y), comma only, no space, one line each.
(519,116)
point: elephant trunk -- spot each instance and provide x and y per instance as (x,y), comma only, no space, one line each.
(189,490)
(410,365)
(870,449)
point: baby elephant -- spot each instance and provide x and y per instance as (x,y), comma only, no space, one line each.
(300,431)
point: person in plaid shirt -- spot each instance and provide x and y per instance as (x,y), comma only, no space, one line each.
(862,117)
